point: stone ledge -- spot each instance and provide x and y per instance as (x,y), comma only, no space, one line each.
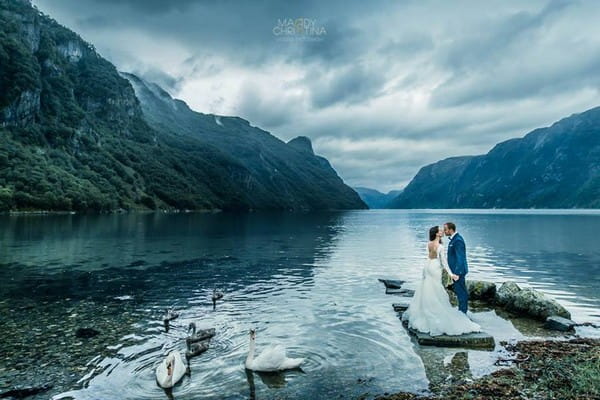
(403,292)
(557,323)
(392,283)
(475,340)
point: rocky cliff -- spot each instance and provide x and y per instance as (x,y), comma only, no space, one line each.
(553,167)
(74,135)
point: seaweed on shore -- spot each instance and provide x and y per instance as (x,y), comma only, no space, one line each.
(543,369)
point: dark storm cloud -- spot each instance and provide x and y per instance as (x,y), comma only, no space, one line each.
(348,85)
(390,86)
(340,45)
(498,61)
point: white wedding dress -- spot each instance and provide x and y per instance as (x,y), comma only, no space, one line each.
(430,310)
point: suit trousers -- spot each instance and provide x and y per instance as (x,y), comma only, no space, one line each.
(462,294)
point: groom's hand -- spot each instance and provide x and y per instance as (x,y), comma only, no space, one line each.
(455,277)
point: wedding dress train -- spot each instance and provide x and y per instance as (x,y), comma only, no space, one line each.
(430,310)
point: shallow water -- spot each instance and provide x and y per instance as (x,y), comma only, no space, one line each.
(307,281)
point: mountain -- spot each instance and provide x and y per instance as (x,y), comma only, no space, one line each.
(376,199)
(74,135)
(552,167)
(290,172)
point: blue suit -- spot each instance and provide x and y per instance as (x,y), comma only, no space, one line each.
(457,261)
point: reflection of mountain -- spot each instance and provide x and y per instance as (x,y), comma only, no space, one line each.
(553,167)
(169,255)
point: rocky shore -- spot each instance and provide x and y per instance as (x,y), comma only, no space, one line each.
(554,364)
(541,369)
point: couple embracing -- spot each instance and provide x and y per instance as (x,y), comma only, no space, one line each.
(430,310)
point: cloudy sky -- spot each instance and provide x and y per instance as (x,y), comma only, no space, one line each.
(381,87)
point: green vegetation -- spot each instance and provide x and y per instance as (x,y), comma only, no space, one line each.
(552,370)
(73,136)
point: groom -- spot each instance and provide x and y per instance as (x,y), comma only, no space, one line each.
(457,260)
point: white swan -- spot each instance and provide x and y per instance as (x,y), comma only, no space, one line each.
(273,358)
(170,370)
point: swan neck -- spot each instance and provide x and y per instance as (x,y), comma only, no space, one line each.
(250,352)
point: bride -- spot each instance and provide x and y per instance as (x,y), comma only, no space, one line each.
(430,310)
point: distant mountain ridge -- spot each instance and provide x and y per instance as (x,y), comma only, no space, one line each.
(376,199)
(75,134)
(553,167)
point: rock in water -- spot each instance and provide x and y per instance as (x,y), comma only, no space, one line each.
(86,333)
(400,307)
(392,283)
(401,292)
(505,294)
(481,290)
(20,393)
(536,305)
(557,323)
(474,340)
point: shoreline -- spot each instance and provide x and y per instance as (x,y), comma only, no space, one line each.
(118,211)
(537,369)
(500,211)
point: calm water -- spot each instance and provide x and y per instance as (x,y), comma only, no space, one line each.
(308,281)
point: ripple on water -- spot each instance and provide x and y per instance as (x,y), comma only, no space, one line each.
(309,285)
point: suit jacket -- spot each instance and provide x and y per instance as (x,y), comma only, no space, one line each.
(457,255)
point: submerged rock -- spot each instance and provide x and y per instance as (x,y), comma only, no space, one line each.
(481,290)
(20,393)
(557,323)
(86,333)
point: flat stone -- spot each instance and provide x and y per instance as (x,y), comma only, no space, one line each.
(474,340)
(403,292)
(392,283)
(398,307)
(557,323)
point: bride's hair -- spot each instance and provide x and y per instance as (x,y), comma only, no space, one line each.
(433,231)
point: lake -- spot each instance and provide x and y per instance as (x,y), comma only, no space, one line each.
(307,281)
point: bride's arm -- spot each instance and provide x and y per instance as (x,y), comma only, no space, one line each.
(444,259)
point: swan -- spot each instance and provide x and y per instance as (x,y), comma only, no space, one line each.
(170,315)
(216,296)
(170,370)
(273,358)
(195,349)
(199,336)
